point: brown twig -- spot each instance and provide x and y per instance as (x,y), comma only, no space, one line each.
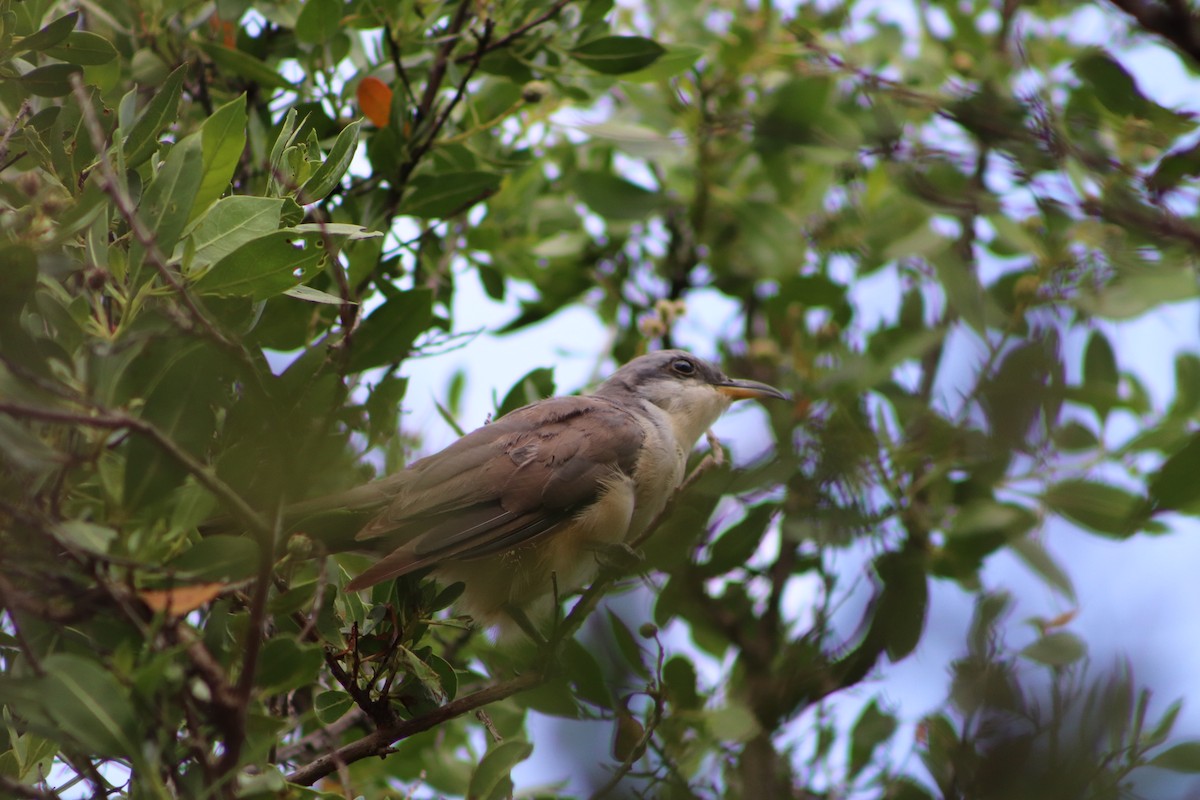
(255,635)
(323,738)
(515,33)
(379,742)
(12,788)
(22,112)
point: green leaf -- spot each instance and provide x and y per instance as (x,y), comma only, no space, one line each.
(615,198)
(22,448)
(732,723)
(1057,649)
(217,558)
(679,675)
(676,59)
(1132,295)
(495,767)
(1035,556)
(52,80)
(989,516)
(1074,437)
(330,173)
(85,48)
(616,55)
(265,267)
(86,535)
(88,704)
(387,335)
(873,728)
(230,223)
(223,136)
(285,664)
(586,676)
(1187,385)
(632,652)
(353,233)
(19,278)
(447,193)
(167,202)
(287,133)
(1183,757)
(903,603)
(162,109)
(1165,724)
(1100,376)
(1175,486)
(734,546)
(1175,167)
(537,384)
(319,20)
(1099,507)
(51,34)
(181,384)
(332,705)
(425,674)
(1112,84)
(247,66)
(311,295)
(447,678)
(795,111)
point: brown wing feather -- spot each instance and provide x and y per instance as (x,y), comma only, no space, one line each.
(503,485)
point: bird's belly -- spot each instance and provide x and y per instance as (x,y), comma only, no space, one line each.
(655,488)
(561,562)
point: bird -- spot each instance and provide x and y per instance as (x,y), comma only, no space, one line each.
(519,509)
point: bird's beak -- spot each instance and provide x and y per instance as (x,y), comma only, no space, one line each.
(741,390)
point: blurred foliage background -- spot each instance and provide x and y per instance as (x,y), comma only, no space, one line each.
(228,231)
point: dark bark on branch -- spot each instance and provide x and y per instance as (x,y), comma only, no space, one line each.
(1173,20)
(379,742)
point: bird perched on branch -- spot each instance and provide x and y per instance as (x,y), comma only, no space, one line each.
(520,507)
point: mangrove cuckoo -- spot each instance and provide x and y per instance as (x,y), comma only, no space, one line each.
(520,507)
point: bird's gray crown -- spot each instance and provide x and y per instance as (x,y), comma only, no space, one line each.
(661,365)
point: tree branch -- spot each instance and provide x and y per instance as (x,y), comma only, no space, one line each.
(379,742)
(1172,20)
(17,789)
(515,33)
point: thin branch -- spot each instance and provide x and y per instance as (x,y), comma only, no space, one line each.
(255,635)
(1130,214)
(442,60)
(515,33)
(379,743)
(22,112)
(13,788)
(322,738)
(230,499)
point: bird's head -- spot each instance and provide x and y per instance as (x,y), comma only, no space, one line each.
(692,391)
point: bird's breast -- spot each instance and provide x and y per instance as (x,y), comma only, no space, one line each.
(659,468)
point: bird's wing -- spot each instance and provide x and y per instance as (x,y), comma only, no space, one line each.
(504,485)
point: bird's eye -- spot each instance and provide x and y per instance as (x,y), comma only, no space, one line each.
(683,367)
